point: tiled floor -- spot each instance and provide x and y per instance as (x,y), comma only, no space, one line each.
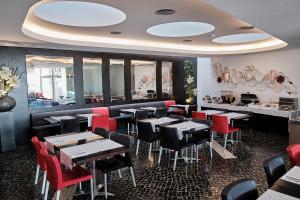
(204,180)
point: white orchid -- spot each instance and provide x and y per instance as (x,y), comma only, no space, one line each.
(9,79)
(14,81)
(189,79)
(5,73)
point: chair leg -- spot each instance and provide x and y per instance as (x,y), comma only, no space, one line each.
(57,194)
(37,174)
(137,147)
(226,136)
(44,182)
(46,191)
(197,153)
(132,175)
(192,149)
(210,149)
(119,172)
(150,149)
(175,160)
(159,156)
(105,185)
(128,128)
(92,189)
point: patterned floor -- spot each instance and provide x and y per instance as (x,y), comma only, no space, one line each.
(204,180)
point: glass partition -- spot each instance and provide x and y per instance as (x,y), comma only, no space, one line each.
(167,80)
(92,80)
(116,77)
(50,81)
(143,79)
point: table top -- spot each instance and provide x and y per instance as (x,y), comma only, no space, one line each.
(159,121)
(234,115)
(212,112)
(71,139)
(188,126)
(286,188)
(96,150)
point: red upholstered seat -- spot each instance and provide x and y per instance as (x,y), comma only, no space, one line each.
(294,153)
(220,125)
(103,121)
(199,115)
(59,179)
(38,146)
(169,103)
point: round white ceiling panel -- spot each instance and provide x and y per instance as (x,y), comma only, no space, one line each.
(241,38)
(79,13)
(180,29)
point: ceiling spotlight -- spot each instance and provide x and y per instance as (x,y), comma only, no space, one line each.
(166,11)
(115,32)
(213,35)
(187,40)
(246,27)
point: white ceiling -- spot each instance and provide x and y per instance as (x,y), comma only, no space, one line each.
(140,16)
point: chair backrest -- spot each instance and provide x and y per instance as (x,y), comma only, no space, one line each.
(169,103)
(101,111)
(100,121)
(220,124)
(69,125)
(161,112)
(54,173)
(141,114)
(125,140)
(169,138)
(102,132)
(205,134)
(145,131)
(274,169)
(293,151)
(240,190)
(199,115)
(180,117)
(38,146)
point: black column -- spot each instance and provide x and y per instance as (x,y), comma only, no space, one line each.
(127,80)
(105,80)
(159,79)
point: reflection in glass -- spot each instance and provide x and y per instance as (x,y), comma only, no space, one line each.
(92,80)
(143,79)
(116,75)
(50,81)
(167,80)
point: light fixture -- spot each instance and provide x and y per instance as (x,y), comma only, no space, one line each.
(180,29)
(246,27)
(115,32)
(241,38)
(78,13)
(165,11)
(187,40)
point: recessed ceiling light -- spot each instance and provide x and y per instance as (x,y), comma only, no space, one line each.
(180,29)
(241,38)
(187,40)
(79,13)
(246,27)
(166,11)
(115,32)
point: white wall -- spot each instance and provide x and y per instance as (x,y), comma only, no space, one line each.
(286,61)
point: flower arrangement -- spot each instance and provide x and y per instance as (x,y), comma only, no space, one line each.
(189,83)
(9,79)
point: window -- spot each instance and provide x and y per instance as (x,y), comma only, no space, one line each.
(143,79)
(50,81)
(92,80)
(167,80)
(116,76)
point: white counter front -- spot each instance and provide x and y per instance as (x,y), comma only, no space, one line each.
(259,109)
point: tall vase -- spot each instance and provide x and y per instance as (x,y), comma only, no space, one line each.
(7,103)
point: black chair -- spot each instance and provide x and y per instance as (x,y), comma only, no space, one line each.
(69,125)
(202,136)
(274,169)
(244,189)
(146,134)
(139,115)
(161,112)
(245,123)
(180,117)
(169,140)
(102,132)
(117,162)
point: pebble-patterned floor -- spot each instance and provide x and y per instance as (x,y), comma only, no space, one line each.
(204,180)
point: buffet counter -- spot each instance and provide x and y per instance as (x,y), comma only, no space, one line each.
(258,109)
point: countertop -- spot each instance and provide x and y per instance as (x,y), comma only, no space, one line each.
(259,109)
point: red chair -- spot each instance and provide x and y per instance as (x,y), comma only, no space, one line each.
(199,115)
(41,164)
(172,110)
(60,179)
(294,153)
(220,125)
(107,122)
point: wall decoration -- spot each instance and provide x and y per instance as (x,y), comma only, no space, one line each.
(253,77)
(189,83)
(9,80)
